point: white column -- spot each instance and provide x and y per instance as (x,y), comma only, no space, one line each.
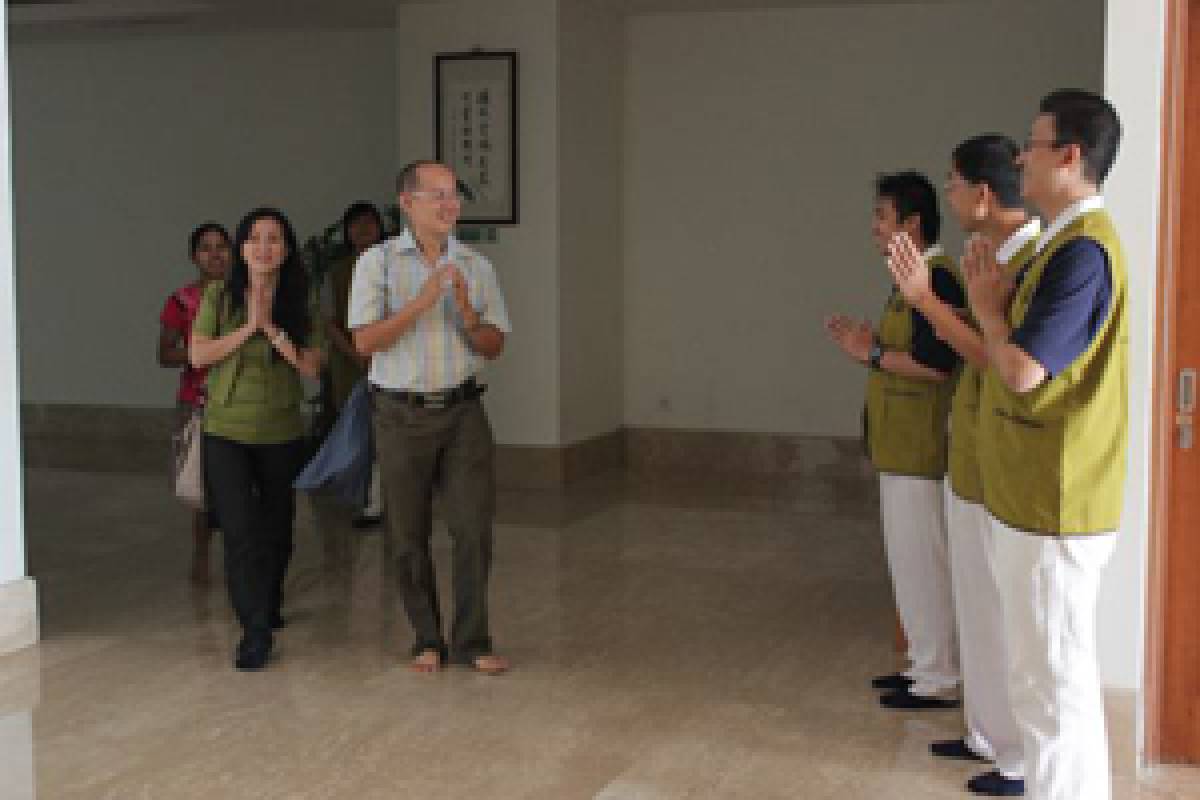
(16,755)
(1133,81)
(18,606)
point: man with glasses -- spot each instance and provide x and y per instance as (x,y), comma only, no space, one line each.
(428,312)
(983,190)
(1053,439)
(909,389)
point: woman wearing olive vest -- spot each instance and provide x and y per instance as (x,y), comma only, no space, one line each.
(983,191)
(1052,440)
(909,388)
(257,334)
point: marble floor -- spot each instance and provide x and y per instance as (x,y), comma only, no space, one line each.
(691,639)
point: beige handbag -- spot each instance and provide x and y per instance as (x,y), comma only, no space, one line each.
(189,471)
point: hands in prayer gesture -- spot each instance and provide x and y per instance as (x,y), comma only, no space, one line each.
(462,298)
(909,271)
(447,277)
(259,307)
(989,290)
(435,284)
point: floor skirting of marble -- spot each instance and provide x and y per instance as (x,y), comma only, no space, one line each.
(110,438)
(18,614)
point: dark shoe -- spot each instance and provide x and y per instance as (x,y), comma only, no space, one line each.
(905,700)
(993,784)
(253,652)
(362,521)
(955,748)
(897,680)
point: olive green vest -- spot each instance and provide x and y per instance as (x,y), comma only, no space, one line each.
(1053,459)
(965,479)
(906,417)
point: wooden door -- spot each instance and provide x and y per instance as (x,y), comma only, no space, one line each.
(1173,730)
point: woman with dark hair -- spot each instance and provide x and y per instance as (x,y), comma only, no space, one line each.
(258,335)
(211,251)
(362,229)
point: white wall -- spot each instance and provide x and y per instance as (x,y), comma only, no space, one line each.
(752,139)
(1133,78)
(124,142)
(524,396)
(12,533)
(591,109)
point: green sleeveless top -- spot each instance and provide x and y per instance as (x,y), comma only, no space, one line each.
(1053,459)
(906,417)
(965,478)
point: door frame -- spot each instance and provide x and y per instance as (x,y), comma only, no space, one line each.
(1169,265)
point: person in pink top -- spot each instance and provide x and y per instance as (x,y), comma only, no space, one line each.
(212,252)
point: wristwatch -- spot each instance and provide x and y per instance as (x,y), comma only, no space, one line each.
(876,355)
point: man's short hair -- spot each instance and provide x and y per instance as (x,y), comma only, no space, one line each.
(1089,121)
(991,159)
(409,178)
(912,193)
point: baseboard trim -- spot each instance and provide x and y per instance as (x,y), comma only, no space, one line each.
(115,439)
(551,467)
(1120,708)
(110,438)
(18,615)
(739,452)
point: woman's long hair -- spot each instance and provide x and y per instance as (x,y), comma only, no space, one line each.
(290,309)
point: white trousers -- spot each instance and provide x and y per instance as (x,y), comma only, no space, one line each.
(991,727)
(1049,587)
(914,535)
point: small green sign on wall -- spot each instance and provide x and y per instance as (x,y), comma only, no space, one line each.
(477,234)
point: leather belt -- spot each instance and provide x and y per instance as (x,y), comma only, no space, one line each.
(446,398)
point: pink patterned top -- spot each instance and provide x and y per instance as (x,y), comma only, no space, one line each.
(177,315)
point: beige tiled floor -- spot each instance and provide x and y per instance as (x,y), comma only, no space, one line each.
(672,641)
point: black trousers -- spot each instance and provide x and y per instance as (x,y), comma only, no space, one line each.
(250,488)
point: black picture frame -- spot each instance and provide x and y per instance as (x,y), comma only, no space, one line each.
(475,131)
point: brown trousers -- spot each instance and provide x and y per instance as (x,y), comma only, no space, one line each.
(449,451)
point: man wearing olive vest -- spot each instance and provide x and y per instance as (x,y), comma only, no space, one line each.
(983,190)
(1052,440)
(909,389)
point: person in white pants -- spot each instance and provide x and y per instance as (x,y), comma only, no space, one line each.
(909,389)
(1053,438)
(983,191)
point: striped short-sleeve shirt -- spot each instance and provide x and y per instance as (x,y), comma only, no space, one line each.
(434,354)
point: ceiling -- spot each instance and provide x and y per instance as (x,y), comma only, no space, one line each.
(32,16)
(59,14)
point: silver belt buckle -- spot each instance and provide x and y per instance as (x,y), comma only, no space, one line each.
(436,402)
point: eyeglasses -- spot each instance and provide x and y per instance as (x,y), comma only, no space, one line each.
(439,195)
(1029,144)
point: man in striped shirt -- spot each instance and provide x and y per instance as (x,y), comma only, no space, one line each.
(428,312)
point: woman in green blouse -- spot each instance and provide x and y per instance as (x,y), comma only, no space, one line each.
(258,335)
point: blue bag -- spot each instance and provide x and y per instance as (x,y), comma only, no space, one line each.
(342,467)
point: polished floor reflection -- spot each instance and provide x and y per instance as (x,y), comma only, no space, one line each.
(670,640)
